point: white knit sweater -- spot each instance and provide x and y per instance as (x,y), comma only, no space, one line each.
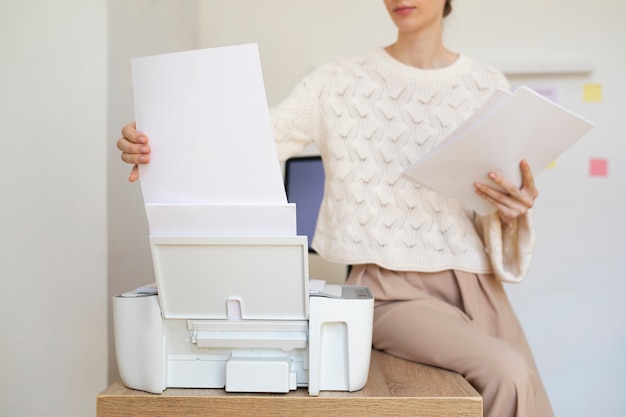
(371,117)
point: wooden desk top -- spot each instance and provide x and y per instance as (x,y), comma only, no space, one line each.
(395,387)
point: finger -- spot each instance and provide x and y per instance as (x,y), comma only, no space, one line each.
(528,179)
(134,174)
(129,147)
(503,197)
(136,158)
(526,194)
(134,145)
(130,133)
(508,208)
(509,188)
(503,200)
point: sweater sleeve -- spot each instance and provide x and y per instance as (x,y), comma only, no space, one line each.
(292,121)
(510,247)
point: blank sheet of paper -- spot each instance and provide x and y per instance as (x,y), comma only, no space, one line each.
(206,115)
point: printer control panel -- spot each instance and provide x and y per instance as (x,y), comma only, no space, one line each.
(355,293)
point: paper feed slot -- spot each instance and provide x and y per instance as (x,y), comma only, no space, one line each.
(221,219)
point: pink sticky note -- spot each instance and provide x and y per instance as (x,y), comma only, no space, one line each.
(598,167)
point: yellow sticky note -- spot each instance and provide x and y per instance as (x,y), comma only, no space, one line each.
(592,93)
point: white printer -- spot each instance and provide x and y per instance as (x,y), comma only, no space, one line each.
(236,313)
(233,306)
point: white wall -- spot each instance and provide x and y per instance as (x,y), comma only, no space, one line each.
(53,99)
(137,28)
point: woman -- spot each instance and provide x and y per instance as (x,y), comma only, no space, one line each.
(434,268)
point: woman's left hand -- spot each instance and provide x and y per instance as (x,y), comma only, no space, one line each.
(513,202)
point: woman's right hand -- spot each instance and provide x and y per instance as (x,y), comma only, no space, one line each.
(135,149)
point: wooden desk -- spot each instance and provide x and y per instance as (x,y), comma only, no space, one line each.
(395,388)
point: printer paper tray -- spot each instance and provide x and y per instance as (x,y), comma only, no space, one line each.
(285,335)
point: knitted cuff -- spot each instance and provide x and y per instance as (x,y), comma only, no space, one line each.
(510,246)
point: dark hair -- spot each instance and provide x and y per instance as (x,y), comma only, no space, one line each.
(447,9)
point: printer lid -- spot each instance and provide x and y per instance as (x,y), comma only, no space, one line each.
(247,278)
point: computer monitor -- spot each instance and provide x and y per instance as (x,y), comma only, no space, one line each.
(304,185)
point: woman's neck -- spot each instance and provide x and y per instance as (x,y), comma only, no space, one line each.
(421,51)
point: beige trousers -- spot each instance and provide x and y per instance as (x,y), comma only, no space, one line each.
(462,322)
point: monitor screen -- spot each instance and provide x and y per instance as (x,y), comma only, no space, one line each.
(304,185)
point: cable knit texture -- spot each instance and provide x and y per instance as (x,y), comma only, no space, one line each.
(371,117)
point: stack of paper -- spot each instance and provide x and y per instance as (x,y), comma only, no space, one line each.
(316,286)
(214,168)
(147,289)
(207,118)
(509,127)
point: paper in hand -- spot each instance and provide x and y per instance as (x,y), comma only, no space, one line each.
(508,128)
(207,118)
